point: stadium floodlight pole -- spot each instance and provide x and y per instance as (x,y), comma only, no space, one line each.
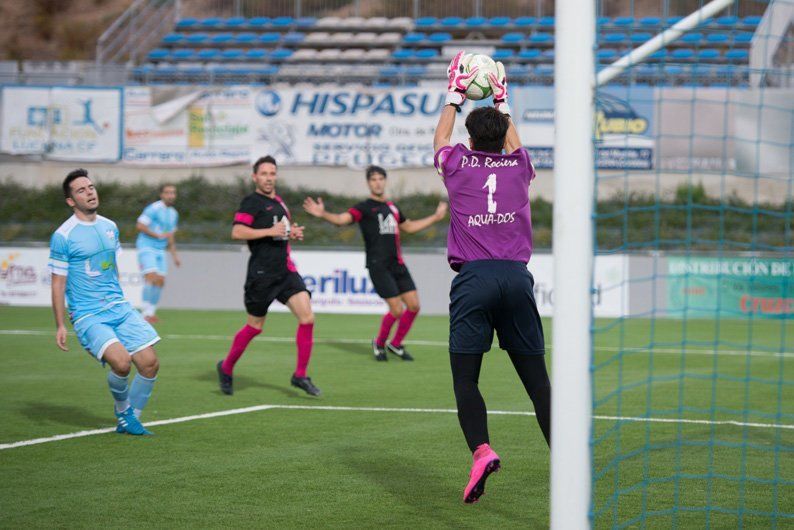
(574,182)
(664,38)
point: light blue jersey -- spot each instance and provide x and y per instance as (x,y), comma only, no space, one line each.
(87,254)
(160,219)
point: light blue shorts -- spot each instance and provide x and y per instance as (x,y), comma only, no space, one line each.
(118,323)
(152,260)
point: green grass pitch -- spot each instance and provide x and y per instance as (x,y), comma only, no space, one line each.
(312,467)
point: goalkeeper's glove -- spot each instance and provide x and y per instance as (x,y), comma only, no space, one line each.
(498,84)
(459,79)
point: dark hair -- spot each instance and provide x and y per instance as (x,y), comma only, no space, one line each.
(487,129)
(73,175)
(264,160)
(165,185)
(371,170)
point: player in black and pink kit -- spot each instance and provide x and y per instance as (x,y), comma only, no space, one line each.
(381,221)
(264,221)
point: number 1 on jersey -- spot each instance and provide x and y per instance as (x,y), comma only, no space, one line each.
(491,185)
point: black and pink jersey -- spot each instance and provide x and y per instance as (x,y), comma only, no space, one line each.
(380,225)
(270,256)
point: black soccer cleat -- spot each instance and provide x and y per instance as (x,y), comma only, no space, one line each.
(224,380)
(305,384)
(379,351)
(399,351)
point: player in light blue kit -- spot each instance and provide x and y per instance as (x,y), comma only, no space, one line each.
(84,266)
(157,227)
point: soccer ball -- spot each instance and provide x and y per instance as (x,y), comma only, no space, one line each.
(480,88)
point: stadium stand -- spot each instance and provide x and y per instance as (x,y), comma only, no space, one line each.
(391,47)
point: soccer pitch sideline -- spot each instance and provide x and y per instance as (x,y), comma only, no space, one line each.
(382,447)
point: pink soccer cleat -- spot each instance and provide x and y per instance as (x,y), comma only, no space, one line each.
(485,463)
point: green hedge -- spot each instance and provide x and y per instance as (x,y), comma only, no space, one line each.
(689,219)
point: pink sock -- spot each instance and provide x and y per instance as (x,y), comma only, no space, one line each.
(406,321)
(304,339)
(385,328)
(239,344)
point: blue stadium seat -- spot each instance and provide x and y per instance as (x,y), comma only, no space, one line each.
(245,38)
(706,22)
(232,54)
(658,55)
(615,38)
(546,22)
(623,21)
(640,37)
(523,22)
(737,55)
(646,70)
(306,22)
(211,22)
(530,54)
(519,70)
(294,37)
(197,38)
(674,20)
(708,54)
(423,22)
(281,54)
(541,38)
(401,54)
(702,70)
(439,37)
(499,22)
(717,38)
(742,37)
(673,69)
(390,71)
(650,22)
(234,22)
(187,23)
(547,55)
(449,22)
(512,38)
(544,70)
(221,38)
(751,21)
(173,38)
(727,70)
(259,22)
(426,53)
(415,70)
(502,54)
(157,54)
(683,54)
(256,54)
(475,22)
(604,21)
(606,55)
(728,22)
(414,38)
(182,54)
(281,22)
(208,54)
(692,37)
(269,38)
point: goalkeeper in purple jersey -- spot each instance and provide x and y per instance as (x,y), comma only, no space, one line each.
(489,245)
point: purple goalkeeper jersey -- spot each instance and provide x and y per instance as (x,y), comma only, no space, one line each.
(488,203)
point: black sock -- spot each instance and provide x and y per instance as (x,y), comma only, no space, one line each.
(471,407)
(532,371)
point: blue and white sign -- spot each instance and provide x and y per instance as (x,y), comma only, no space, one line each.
(62,123)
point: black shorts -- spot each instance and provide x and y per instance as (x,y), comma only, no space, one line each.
(490,295)
(260,291)
(390,280)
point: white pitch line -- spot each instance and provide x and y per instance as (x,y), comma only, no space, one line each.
(257,408)
(268,338)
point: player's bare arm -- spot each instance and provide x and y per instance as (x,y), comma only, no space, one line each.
(58,287)
(149,232)
(411,226)
(316,208)
(246,233)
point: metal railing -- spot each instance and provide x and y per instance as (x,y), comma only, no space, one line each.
(142,25)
